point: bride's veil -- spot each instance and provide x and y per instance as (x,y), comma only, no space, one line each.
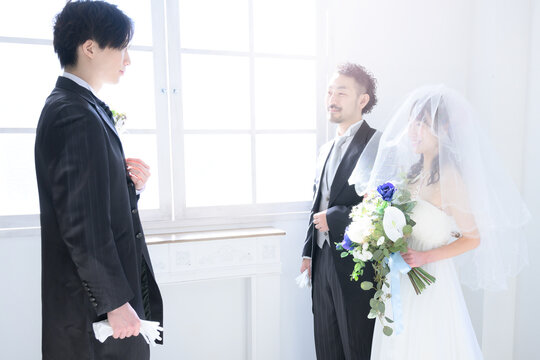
(466,180)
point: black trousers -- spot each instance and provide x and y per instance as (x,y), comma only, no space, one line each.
(131,348)
(339,333)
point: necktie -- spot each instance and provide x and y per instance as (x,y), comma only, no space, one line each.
(334,160)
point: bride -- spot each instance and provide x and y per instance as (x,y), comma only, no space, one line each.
(468,214)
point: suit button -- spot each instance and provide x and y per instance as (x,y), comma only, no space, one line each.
(93,299)
(134,211)
(85,284)
(95,304)
(139,236)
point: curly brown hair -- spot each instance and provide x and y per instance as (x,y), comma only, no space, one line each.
(364,79)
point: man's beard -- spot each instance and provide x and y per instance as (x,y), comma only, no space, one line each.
(335,118)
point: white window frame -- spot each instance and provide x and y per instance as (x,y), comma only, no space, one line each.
(167,50)
(254,211)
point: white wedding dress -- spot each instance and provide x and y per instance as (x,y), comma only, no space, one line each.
(436,323)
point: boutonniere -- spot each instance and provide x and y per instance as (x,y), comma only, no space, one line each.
(119,120)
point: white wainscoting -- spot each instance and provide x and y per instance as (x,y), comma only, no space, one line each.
(220,289)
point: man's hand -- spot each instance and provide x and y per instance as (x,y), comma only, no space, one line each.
(306,264)
(124,321)
(319,219)
(139,172)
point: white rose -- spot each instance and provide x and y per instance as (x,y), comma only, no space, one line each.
(358,230)
(362,255)
(380,241)
(367,255)
(357,253)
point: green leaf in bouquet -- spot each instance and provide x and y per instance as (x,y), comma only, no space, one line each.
(411,205)
(411,222)
(378,255)
(389,320)
(386,253)
(372,314)
(381,307)
(407,230)
(378,294)
(387,330)
(344,254)
(385,271)
(405,193)
(366,285)
(374,304)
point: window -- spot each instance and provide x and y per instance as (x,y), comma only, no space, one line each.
(221,100)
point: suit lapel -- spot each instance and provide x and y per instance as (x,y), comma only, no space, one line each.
(349,160)
(70,85)
(106,119)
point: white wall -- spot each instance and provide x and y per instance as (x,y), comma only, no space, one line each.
(296,316)
(404,43)
(20,300)
(528,292)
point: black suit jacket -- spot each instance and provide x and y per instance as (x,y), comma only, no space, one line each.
(342,198)
(93,248)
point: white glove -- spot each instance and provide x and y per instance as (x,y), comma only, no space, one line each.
(149,330)
(303,280)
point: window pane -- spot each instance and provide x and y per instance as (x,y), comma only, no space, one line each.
(214,24)
(29,18)
(285,95)
(135,94)
(215,92)
(285,167)
(144,147)
(285,27)
(18,186)
(38,22)
(140,11)
(25,83)
(218,170)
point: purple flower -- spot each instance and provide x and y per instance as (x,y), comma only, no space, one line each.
(347,243)
(387,191)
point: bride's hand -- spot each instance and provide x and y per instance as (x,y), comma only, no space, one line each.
(415,258)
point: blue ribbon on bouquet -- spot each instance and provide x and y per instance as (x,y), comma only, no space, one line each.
(397,266)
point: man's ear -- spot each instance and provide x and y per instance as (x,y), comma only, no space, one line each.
(88,48)
(363,100)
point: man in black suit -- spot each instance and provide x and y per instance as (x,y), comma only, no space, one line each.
(95,262)
(340,306)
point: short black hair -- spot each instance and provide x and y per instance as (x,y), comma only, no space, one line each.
(85,20)
(364,79)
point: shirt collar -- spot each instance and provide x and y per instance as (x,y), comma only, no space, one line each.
(79,81)
(351,131)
